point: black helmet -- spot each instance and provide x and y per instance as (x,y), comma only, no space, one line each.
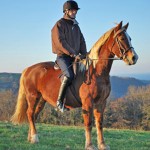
(70,5)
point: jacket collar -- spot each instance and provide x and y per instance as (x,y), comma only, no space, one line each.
(71,21)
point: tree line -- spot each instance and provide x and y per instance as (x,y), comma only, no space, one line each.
(131,111)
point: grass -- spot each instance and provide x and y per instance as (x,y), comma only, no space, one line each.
(69,138)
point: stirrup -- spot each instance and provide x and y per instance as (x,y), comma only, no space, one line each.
(61,107)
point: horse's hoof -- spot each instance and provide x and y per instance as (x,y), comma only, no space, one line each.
(91,147)
(104,147)
(34,139)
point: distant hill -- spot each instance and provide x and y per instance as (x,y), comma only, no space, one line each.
(120,85)
(10,81)
(142,76)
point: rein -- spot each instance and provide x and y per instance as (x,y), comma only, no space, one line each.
(88,81)
(113,58)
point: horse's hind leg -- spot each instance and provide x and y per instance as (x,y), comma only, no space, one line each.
(32,102)
(39,107)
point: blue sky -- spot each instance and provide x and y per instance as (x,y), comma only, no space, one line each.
(25,30)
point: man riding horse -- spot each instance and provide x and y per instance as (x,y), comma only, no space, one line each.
(69,45)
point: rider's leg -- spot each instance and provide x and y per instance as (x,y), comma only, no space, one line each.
(62,92)
(64,63)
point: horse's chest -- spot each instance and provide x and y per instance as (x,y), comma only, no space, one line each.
(101,88)
(97,88)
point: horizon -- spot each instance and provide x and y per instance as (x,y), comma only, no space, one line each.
(136,76)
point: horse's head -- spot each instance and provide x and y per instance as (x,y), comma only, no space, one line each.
(122,46)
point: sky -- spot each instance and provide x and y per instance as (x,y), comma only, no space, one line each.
(25,30)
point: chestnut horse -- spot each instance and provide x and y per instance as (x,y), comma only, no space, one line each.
(40,83)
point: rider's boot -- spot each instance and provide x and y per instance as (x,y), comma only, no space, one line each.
(61,95)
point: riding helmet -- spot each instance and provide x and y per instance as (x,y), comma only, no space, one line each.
(70,5)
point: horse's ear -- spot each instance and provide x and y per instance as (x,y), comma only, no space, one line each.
(126,26)
(119,26)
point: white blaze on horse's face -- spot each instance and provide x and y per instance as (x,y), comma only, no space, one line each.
(130,57)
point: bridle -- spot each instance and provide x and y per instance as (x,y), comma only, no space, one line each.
(122,49)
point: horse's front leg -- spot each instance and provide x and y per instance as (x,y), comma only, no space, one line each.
(87,116)
(98,114)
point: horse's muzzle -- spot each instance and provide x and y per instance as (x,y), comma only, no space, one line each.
(131,58)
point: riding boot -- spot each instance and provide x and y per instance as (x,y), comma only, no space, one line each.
(62,92)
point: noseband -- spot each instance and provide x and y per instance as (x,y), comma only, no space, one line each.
(122,50)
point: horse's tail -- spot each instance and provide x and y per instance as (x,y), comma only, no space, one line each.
(20,115)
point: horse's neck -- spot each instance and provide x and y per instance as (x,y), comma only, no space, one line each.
(100,53)
(104,64)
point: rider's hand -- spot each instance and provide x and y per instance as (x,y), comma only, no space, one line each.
(77,58)
(82,56)
(73,55)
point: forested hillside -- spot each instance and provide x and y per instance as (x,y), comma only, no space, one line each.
(128,109)
(120,85)
(10,81)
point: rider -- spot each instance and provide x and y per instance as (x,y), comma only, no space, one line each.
(69,45)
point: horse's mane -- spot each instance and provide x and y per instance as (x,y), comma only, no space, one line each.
(93,53)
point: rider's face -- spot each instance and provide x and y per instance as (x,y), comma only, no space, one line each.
(72,13)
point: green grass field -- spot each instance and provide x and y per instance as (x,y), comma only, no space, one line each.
(69,138)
